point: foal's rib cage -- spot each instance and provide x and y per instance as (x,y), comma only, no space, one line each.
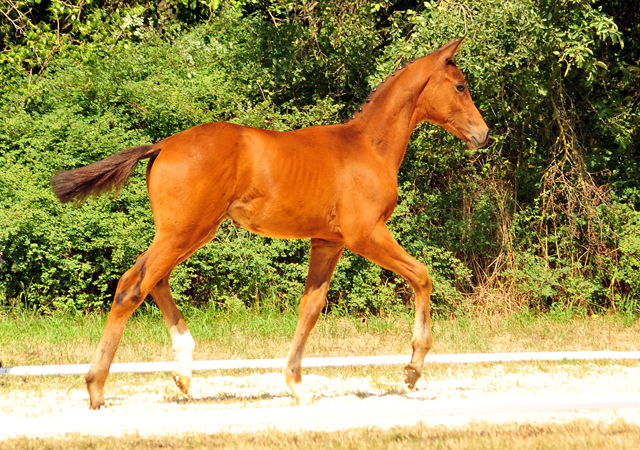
(335,184)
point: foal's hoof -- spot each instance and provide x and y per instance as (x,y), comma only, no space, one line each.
(301,396)
(411,377)
(304,400)
(183,382)
(97,404)
(96,393)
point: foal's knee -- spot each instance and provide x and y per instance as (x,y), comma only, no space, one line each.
(422,282)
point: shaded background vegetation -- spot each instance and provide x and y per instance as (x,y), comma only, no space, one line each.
(544,218)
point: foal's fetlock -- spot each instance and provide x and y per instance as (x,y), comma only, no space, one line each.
(411,376)
(183,382)
(183,345)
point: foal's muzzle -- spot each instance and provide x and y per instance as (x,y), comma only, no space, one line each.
(478,139)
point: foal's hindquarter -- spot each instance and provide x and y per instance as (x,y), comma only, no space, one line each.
(334,184)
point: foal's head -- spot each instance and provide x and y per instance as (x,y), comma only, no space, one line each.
(445,99)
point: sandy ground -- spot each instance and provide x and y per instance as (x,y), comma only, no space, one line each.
(209,392)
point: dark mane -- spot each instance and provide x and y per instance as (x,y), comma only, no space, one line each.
(375,91)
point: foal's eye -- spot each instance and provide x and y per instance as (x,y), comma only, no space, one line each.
(460,87)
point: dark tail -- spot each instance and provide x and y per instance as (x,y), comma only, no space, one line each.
(101,176)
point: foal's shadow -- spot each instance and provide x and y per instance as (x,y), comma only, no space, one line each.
(228,398)
(223,398)
(393,392)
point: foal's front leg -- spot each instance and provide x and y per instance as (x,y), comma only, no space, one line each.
(381,248)
(324,257)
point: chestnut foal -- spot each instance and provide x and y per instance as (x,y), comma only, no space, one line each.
(335,184)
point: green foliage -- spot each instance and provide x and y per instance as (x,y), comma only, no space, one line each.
(546,215)
(124,93)
(529,214)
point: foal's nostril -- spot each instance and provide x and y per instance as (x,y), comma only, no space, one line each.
(485,140)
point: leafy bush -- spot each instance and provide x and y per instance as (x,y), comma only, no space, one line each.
(124,94)
(528,214)
(545,215)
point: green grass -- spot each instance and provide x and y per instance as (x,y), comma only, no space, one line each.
(229,334)
(576,435)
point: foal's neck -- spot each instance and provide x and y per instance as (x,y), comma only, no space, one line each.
(390,114)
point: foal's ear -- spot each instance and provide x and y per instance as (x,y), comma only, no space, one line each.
(450,48)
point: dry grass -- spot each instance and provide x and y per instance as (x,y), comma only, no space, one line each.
(65,339)
(72,340)
(576,435)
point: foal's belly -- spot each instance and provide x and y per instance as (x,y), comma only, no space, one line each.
(285,221)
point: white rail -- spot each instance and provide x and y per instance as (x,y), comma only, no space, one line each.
(147,367)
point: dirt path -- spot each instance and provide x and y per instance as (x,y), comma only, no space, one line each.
(146,395)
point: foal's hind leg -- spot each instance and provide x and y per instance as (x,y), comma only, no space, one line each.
(151,267)
(183,343)
(324,257)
